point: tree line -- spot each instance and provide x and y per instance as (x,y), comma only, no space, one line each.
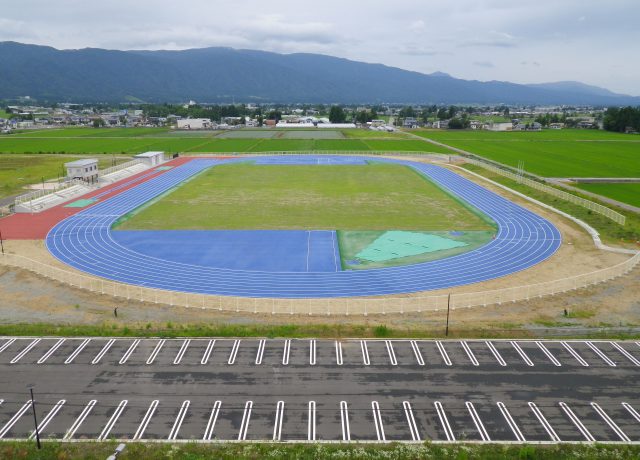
(623,119)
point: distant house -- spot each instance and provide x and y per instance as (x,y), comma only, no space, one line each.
(500,126)
(194,123)
(410,122)
(556,126)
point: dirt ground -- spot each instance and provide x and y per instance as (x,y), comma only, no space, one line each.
(27,298)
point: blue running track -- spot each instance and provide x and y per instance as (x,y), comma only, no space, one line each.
(85,242)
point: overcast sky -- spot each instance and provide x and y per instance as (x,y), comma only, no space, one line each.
(593,41)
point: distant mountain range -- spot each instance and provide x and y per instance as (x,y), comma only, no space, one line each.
(224,75)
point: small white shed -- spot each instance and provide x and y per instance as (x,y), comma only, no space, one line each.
(151,158)
(85,169)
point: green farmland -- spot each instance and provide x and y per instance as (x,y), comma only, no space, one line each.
(626,193)
(561,153)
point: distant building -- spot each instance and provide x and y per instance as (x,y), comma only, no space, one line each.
(500,126)
(194,123)
(86,169)
(556,125)
(151,158)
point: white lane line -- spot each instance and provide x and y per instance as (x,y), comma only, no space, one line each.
(6,345)
(51,351)
(112,421)
(47,419)
(182,351)
(26,350)
(522,354)
(613,425)
(411,421)
(391,352)
(129,352)
(211,424)
(627,355)
(260,353)
(543,421)
(377,419)
(12,421)
(207,352)
(179,419)
(443,352)
(469,353)
(77,351)
(444,421)
(338,353)
(234,352)
(308,247)
(417,353)
(574,353)
(145,420)
(632,411)
(548,353)
(496,353)
(277,425)
(576,421)
(156,350)
(365,352)
(311,426)
(76,424)
(344,419)
(511,422)
(599,352)
(477,422)
(103,352)
(312,352)
(286,352)
(246,417)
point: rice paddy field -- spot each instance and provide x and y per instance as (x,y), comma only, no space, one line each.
(626,193)
(552,153)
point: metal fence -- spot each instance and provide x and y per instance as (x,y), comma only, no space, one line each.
(595,207)
(333,306)
(34,195)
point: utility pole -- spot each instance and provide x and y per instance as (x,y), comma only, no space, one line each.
(35,420)
(446,331)
(1,243)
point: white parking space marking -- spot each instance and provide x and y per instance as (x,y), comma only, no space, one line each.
(51,351)
(522,354)
(260,353)
(179,419)
(207,352)
(377,419)
(25,350)
(338,353)
(344,420)
(312,352)
(444,421)
(632,411)
(627,355)
(599,352)
(156,350)
(365,352)
(417,353)
(277,424)
(112,421)
(103,352)
(211,424)
(145,420)
(546,351)
(613,425)
(575,354)
(496,353)
(286,352)
(413,427)
(391,352)
(12,421)
(76,424)
(47,419)
(511,422)
(129,352)
(477,422)
(443,352)
(234,352)
(543,421)
(77,351)
(311,426)
(470,354)
(576,421)
(182,351)
(246,417)
(6,345)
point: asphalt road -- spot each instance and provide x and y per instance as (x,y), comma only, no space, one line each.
(299,390)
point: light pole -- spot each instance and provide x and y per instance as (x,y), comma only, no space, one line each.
(35,420)
(446,331)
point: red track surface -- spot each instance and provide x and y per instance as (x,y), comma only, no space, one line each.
(24,226)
